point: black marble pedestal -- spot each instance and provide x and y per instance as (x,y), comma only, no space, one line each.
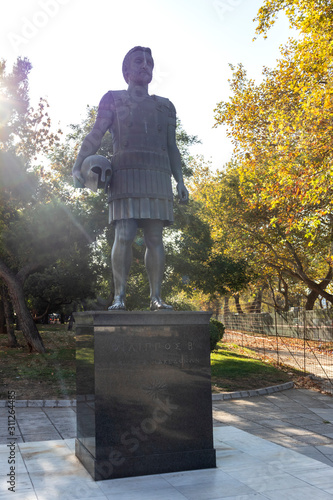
(144,403)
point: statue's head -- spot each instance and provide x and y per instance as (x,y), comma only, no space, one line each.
(130,56)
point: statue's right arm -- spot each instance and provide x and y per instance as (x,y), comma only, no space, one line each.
(92,142)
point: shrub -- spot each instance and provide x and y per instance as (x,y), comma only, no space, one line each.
(216,331)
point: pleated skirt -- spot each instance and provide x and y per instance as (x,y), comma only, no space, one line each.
(141,208)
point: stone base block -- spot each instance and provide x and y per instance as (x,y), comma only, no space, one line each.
(144,403)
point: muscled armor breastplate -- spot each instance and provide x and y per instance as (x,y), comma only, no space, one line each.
(140,161)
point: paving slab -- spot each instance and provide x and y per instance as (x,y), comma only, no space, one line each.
(299,419)
(284,435)
(248,468)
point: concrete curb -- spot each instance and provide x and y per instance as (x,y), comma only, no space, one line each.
(71,403)
(254,392)
(40,403)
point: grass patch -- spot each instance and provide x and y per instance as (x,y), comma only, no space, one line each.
(235,368)
(40,376)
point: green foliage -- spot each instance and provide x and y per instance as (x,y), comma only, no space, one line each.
(227,268)
(25,133)
(235,369)
(216,332)
(282,132)
(47,237)
(184,141)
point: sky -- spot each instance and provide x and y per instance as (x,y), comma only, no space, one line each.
(76,48)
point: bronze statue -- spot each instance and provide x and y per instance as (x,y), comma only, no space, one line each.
(145,155)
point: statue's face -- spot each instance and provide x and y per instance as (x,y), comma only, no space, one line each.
(140,68)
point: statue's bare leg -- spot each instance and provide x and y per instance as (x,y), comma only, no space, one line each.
(121,259)
(154,262)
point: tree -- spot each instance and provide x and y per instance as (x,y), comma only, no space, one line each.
(244,234)
(224,269)
(24,134)
(282,132)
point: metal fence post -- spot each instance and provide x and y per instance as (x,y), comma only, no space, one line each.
(304,338)
(277,338)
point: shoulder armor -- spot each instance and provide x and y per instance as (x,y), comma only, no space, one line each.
(118,94)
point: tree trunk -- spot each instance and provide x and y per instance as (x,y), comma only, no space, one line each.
(310,300)
(12,340)
(71,322)
(237,303)
(284,290)
(28,326)
(42,316)
(2,317)
(226,305)
(299,273)
(314,294)
(215,306)
(256,304)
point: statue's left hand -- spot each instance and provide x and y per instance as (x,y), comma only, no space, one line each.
(182,192)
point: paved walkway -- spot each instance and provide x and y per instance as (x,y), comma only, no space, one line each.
(268,447)
(297,419)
